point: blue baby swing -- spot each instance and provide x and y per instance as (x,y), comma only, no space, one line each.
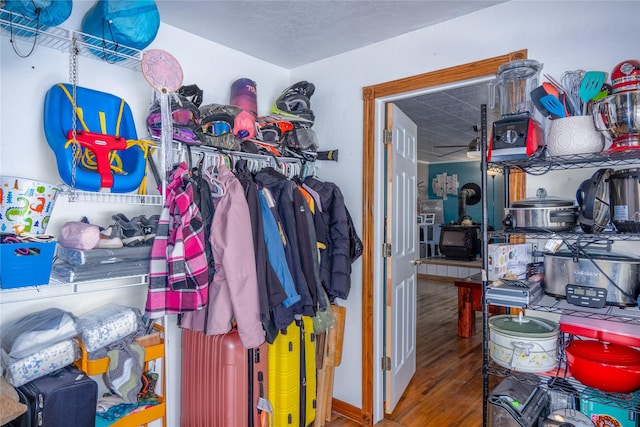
(109,154)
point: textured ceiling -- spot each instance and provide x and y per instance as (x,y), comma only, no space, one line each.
(446,121)
(293,33)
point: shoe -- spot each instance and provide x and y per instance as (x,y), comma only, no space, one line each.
(131,233)
(149,227)
(110,238)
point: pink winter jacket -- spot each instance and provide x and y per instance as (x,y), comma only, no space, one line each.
(233,293)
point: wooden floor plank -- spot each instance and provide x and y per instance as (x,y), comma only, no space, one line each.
(447,387)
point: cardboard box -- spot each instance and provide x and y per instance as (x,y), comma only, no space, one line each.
(604,414)
(507,259)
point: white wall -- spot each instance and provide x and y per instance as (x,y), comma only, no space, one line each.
(24,151)
(563,35)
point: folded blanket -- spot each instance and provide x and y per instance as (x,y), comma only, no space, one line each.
(123,377)
(45,361)
(107,324)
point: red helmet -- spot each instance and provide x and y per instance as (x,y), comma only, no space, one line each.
(625,77)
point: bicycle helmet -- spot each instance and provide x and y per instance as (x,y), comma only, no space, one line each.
(216,126)
(294,102)
(185,116)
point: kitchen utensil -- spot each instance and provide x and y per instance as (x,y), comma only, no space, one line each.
(568,106)
(624,187)
(550,89)
(571,80)
(523,343)
(573,135)
(592,270)
(553,105)
(590,87)
(561,90)
(608,367)
(618,117)
(536,95)
(555,83)
(542,213)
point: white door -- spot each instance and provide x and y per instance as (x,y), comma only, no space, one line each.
(401,237)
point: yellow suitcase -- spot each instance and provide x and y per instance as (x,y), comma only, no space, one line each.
(310,365)
(288,386)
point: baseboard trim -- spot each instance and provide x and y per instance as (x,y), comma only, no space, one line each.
(439,278)
(349,411)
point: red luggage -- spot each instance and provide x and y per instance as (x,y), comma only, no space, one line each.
(218,376)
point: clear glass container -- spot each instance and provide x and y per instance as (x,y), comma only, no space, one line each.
(516,80)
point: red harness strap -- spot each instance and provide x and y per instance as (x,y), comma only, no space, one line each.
(101,144)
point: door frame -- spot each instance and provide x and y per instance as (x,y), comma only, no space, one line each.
(372,96)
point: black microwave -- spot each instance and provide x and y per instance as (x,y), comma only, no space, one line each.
(461,242)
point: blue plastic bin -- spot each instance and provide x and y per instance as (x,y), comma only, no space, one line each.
(18,270)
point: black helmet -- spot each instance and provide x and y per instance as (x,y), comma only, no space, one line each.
(294,103)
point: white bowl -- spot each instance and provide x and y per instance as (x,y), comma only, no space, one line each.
(573,135)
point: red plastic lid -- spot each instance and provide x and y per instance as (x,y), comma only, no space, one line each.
(604,330)
(611,354)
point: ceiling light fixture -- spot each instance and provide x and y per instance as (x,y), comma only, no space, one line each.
(473,150)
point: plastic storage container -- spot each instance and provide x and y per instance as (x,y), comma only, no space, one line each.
(18,269)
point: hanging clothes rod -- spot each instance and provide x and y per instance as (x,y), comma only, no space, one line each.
(289,166)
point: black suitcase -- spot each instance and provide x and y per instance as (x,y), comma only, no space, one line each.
(65,398)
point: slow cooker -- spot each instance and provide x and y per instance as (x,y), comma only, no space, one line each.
(597,270)
(524,343)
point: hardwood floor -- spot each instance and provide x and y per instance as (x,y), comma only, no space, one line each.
(447,387)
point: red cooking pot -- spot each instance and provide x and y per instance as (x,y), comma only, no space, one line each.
(607,367)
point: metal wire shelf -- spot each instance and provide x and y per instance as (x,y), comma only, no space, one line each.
(23,29)
(567,384)
(549,304)
(568,235)
(117,198)
(57,288)
(545,163)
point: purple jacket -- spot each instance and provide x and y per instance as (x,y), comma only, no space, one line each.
(233,293)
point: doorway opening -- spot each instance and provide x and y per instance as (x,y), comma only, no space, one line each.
(374,98)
